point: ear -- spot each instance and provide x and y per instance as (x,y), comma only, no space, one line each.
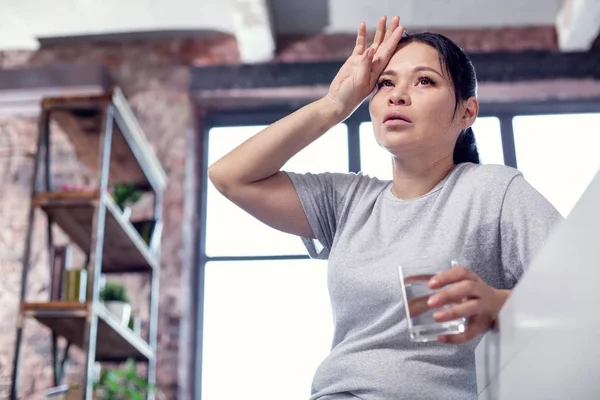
(470,112)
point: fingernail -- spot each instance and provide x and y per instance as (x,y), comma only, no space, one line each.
(433,282)
(432,301)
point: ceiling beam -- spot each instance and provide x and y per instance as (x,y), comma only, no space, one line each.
(22,90)
(253,30)
(578,24)
(490,67)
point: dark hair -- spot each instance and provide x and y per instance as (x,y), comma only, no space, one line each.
(462,72)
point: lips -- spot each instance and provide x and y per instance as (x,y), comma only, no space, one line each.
(396,116)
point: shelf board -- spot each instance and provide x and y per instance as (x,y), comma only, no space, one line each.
(67,319)
(82,119)
(123,250)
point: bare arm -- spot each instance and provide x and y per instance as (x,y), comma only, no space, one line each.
(250,174)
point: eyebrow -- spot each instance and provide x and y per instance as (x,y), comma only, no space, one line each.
(392,73)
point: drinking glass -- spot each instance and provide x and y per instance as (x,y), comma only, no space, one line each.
(414,277)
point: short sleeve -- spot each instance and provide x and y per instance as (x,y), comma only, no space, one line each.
(526,220)
(322,197)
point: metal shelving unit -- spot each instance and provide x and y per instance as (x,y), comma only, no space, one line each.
(109,141)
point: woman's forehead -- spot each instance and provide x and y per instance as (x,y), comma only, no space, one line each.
(415,54)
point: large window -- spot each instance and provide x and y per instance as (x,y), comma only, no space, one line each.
(558,154)
(376,161)
(267,319)
(267,326)
(233,232)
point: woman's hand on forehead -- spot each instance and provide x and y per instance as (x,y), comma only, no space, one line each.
(357,78)
(384,44)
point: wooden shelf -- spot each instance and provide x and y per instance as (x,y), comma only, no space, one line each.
(114,341)
(82,119)
(123,250)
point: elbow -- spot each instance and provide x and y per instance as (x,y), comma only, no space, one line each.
(217,179)
(223,180)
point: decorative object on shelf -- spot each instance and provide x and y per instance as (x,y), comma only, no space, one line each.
(75,285)
(78,188)
(115,299)
(125,195)
(63,392)
(61,261)
(122,384)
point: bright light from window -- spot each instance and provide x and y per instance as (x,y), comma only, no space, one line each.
(376,161)
(489,140)
(558,154)
(230,230)
(267,327)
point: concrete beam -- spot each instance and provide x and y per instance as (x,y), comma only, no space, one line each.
(253,30)
(490,67)
(22,90)
(578,24)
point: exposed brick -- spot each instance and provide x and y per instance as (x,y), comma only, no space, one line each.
(164,114)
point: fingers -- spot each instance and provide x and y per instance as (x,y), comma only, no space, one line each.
(466,310)
(361,39)
(452,275)
(417,306)
(473,329)
(380,33)
(387,49)
(455,294)
(393,25)
(364,69)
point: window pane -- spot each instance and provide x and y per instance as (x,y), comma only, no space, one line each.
(267,327)
(233,232)
(489,140)
(375,161)
(558,154)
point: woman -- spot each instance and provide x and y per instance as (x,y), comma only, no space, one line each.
(441,202)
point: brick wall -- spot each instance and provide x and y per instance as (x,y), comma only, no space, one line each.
(155,83)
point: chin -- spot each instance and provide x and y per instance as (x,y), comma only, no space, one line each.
(389,139)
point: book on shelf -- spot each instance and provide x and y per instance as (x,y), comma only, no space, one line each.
(61,260)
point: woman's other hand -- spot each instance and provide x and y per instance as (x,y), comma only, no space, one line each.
(356,79)
(468,296)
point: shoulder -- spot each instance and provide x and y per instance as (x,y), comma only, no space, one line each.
(487,176)
(338,183)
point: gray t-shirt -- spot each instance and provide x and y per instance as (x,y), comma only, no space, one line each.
(487,217)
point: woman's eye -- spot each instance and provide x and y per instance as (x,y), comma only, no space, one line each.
(425,81)
(384,83)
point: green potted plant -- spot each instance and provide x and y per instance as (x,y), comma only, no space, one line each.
(124,195)
(114,296)
(122,384)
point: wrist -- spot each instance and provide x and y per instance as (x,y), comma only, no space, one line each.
(332,110)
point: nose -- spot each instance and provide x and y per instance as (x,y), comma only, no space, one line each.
(399,97)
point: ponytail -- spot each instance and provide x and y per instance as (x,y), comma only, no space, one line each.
(465,149)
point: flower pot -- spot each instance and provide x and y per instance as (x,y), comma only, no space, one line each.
(120,309)
(126,212)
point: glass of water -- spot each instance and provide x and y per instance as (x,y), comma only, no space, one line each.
(414,277)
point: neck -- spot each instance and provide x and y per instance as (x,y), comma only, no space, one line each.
(416,177)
